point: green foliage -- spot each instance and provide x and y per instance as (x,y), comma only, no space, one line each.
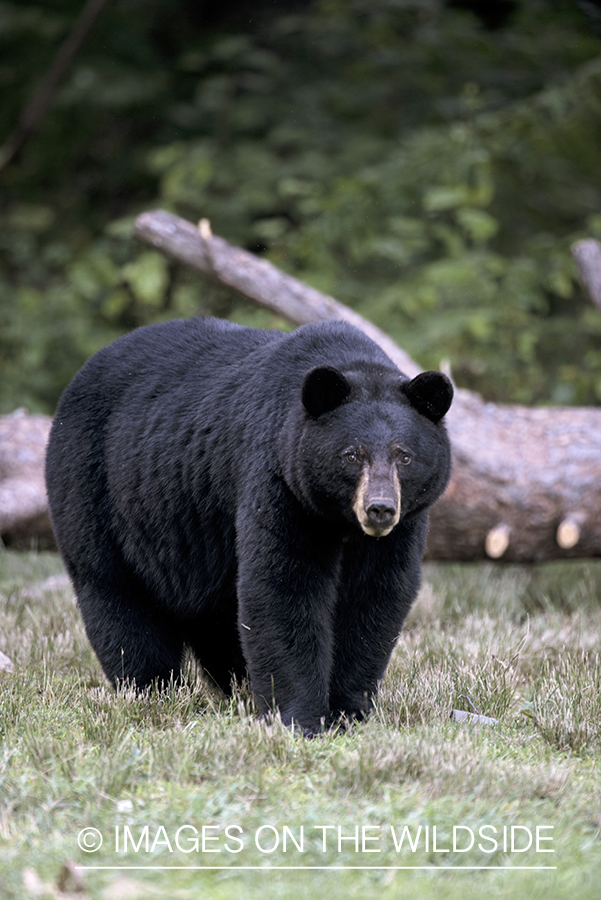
(428,172)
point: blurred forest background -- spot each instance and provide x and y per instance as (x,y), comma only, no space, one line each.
(428,163)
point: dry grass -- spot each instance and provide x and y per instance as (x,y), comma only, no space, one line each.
(520,645)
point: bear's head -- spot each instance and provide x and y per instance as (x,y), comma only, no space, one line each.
(370,445)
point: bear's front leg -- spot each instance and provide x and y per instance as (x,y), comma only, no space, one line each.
(378,583)
(287,580)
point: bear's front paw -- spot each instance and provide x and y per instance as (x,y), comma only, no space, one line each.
(305,724)
(347,710)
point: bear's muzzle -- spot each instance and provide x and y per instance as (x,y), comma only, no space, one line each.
(378,499)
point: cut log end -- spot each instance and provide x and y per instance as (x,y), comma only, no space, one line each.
(204,226)
(497,541)
(569,531)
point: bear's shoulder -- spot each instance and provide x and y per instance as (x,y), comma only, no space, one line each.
(334,343)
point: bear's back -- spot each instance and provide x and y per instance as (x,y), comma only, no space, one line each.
(134,399)
(167,352)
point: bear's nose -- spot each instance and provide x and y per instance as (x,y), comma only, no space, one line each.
(381,512)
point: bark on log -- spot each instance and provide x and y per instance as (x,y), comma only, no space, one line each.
(24,518)
(526,482)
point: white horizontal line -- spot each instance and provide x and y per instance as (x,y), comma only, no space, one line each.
(320,868)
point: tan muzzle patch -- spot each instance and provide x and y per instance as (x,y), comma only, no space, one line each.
(377,503)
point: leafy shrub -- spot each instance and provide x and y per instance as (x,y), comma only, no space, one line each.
(428,172)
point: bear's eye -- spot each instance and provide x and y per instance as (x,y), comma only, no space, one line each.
(353,456)
(402,457)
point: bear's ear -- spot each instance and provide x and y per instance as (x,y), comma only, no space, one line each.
(430,393)
(324,388)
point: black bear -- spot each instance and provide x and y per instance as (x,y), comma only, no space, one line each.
(256,496)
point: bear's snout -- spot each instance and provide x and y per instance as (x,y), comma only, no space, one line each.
(378,500)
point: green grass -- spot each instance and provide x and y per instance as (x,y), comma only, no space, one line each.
(518,644)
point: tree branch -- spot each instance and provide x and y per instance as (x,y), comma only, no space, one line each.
(587,254)
(255,278)
(37,107)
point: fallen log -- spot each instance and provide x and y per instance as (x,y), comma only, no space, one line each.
(526,482)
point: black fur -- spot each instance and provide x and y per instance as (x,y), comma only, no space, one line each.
(197,502)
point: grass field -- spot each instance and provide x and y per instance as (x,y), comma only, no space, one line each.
(409,803)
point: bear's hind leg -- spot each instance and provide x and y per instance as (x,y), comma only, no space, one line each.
(216,645)
(132,645)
